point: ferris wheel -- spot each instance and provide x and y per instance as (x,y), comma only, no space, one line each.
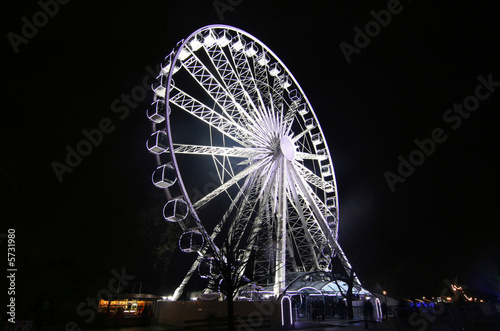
(242,158)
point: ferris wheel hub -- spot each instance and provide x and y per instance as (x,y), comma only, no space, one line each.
(287,148)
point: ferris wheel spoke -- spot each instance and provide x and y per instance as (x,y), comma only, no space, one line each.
(232,152)
(308,221)
(217,91)
(243,69)
(314,179)
(310,156)
(319,210)
(194,107)
(225,186)
(243,217)
(261,79)
(236,88)
(301,229)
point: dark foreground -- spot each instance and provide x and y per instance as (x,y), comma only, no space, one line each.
(336,324)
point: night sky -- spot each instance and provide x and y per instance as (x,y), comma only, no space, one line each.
(439,221)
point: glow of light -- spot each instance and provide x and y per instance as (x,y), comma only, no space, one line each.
(448,299)
(384,293)
(290,306)
(184,53)
(195,43)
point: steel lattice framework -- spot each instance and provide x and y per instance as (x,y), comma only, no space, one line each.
(242,157)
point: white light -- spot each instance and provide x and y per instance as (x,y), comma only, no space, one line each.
(237,43)
(224,39)
(290,312)
(274,69)
(196,43)
(263,59)
(287,148)
(184,54)
(208,38)
(251,49)
(286,82)
(303,109)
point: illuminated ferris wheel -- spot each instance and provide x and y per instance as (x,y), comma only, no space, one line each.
(243,159)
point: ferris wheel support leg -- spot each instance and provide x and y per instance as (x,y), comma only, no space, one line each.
(180,288)
(279,276)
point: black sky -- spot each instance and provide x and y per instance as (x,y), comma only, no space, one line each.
(440,223)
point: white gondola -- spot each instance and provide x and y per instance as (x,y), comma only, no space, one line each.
(224,38)
(196,43)
(295,95)
(326,170)
(237,43)
(208,268)
(329,187)
(175,210)
(164,176)
(310,124)
(251,49)
(285,81)
(263,58)
(158,142)
(209,39)
(330,220)
(191,241)
(317,138)
(156,112)
(331,203)
(302,109)
(166,64)
(274,69)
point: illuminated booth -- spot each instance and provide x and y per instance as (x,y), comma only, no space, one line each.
(124,309)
